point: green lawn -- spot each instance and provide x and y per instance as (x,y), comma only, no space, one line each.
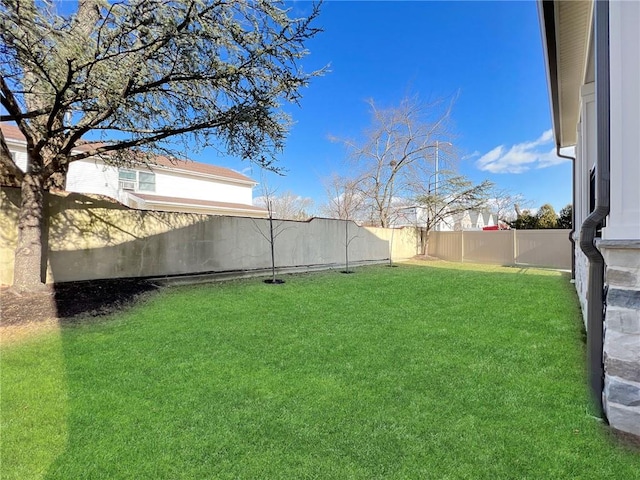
(415,372)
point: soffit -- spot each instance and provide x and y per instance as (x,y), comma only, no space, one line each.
(573,20)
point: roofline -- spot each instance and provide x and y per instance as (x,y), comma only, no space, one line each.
(546,14)
(249,181)
(249,208)
(201,174)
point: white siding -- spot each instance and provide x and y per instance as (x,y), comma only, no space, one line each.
(190,186)
(624,218)
(89,176)
(585,152)
(20,155)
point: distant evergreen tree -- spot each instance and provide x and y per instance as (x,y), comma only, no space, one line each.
(565,217)
(524,220)
(546,217)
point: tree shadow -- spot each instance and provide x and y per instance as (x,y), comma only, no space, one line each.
(98,297)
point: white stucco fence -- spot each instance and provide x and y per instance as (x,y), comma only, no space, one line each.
(93,237)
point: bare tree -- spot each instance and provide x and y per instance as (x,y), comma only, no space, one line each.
(401,148)
(455,195)
(140,74)
(347,242)
(502,204)
(287,206)
(275,228)
(344,200)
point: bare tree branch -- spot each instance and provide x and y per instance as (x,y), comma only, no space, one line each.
(398,151)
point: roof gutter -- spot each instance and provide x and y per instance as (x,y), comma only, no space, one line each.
(595,290)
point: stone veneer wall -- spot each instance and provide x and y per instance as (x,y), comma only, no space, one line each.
(582,277)
(622,334)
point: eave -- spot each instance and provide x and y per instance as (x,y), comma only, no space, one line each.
(566,36)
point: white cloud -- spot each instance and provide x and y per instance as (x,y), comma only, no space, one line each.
(475,154)
(521,157)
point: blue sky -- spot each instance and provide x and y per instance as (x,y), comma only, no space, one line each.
(487,54)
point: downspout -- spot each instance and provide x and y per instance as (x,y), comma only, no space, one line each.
(573,210)
(595,290)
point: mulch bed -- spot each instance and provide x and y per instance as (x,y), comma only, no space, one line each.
(70,300)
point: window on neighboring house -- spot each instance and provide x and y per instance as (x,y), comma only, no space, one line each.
(134,180)
(127,179)
(147,181)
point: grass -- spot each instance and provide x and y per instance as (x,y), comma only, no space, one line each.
(443,372)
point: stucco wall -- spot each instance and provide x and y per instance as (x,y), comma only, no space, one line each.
(404,241)
(91,237)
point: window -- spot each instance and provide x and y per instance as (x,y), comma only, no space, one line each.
(134,180)
(147,181)
(127,179)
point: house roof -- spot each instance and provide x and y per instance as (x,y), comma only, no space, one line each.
(13,132)
(566,36)
(190,202)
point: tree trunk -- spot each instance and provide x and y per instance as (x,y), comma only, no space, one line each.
(58,180)
(346,245)
(28,255)
(425,242)
(273,250)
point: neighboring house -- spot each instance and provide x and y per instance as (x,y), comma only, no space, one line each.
(592,52)
(480,220)
(456,222)
(168,185)
(467,220)
(418,216)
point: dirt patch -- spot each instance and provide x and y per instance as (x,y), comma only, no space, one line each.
(626,440)
(22,314)
(425,258)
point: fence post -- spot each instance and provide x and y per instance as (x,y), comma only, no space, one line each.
(514,240)
(462,246)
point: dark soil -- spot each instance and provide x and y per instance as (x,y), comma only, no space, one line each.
(70,300)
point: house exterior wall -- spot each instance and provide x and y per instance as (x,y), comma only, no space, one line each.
(175,184)
(20,155)
(624,218)
(620,245)
(586,150)
(620,242)
(581,278)
(90,176)
(585,161)
(93,176)
(621,397)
